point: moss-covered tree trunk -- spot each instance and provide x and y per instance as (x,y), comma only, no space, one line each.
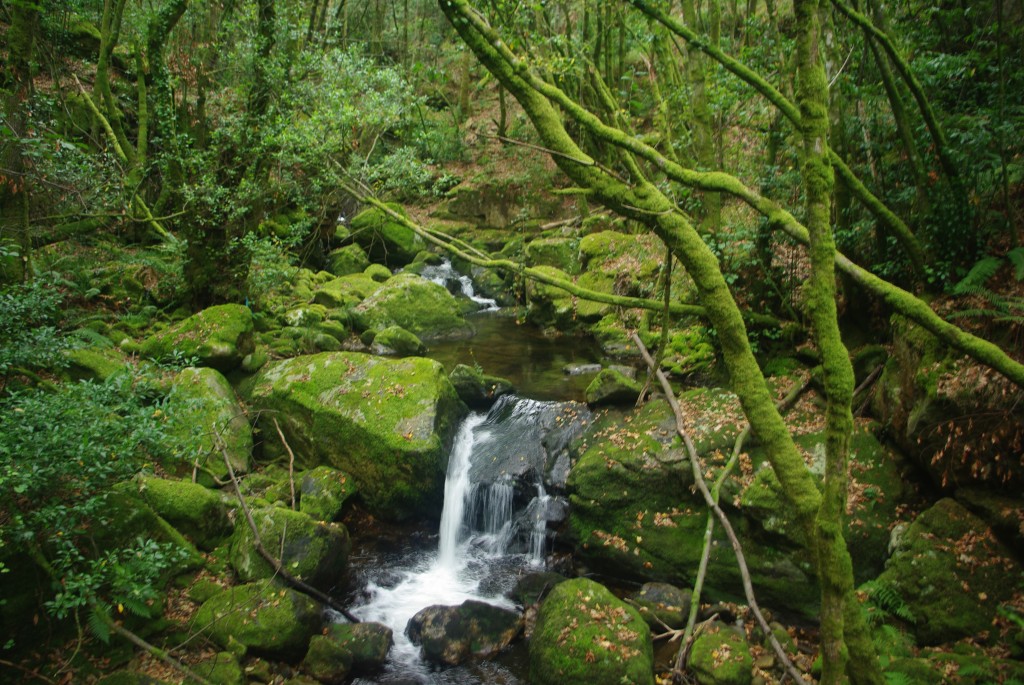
(703,125)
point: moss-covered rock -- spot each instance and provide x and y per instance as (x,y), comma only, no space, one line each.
(219,336)
(313,551)
(561,253)
(662,604)
(327,660)
(346,291)
(323,492)
(532,588)
(206,421)
(453,634)
(350,259)
(585,635)
(721,656)
(368,643)
(397,340)
(548,306)
(192,509)
(261,617)
(221,669)
(952,573)
(388,423)
(477,389)
(377,273)
(94,363)
(612,387)
(421,307)
(385,240)
(128,677)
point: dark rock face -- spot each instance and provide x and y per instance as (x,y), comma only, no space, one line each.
(452,635)
(476,389)
(662,605)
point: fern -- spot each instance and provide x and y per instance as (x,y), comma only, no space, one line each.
(91,338)
(98,625)
(979,274)
(886,598)
(1016,257)
(897,678)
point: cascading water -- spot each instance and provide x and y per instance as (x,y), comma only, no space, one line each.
(444,274)
(484,542)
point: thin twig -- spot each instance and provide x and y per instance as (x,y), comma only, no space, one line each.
(748,588)
(274,562)
(160,654)
(291,462)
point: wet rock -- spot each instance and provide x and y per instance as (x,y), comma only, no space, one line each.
(323,491)
(662,604)
(721,656)
(388,423)
(612,387)
(452,635)
(219,336)
(477,389)
(580,369)
(261,617)
(585,635)
(397,340)
(368,643)
(422,307)
(313,551)
(221,669)
(534,587)
(327,660)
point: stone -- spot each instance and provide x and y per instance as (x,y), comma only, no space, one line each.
(221,669)
(385,240)
(387,423)
(345,291)
(350,259)
(206,420)
(662,604)
(312,551)
(327,660)
(721,656)
(262,618)
(453,634)
(323,491)
(397,340)
(219,336)
(368,643)
(194,510)
(952,573)
(612,387)
(534,587)
(477,389)
(94,363)
(585,635)
(561,253)
(421,307)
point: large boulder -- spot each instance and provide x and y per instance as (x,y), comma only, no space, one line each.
(388,423)
(345,291)
(611,386)
(206,419)
(350,259)
(662,604)
(585,635)
(397,340)
(452,634)
(261,617)
(368,643)
(313,551)
(477,389)
(421,307)
(218,336)
(952,573)
(385,240)
(323,491)
(192,509)
(561,253)
(721,656)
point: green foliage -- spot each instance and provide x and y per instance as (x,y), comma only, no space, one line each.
(1007,309)
(885,597)
(29,337)
(270,267)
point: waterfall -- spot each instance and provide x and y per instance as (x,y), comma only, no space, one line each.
(456,491)
(444,274)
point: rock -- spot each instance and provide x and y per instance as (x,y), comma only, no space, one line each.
(385,240)
(313,551)
(126,677)
(452,635)
(377,273)
(261,617)
(94,363)
(422,307)
(561,253)
(721,656)
(584,635)
(477,389)
(1001,511)
(350,259)
(397,340)
(346,291)
(219,336)
(663,605)
(221,669)
(327,660)
(205,416)
(323,492)
(612,387)
(534,587)
(952,574)
(368,643)
(548,306)
(192,509)
(581,369)
(388,423)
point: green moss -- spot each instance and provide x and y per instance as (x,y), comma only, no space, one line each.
(378,273)
(477,389)
(397,340)
(323,492)
(327,660)
(561,253)
(92,363)
(350,259)
(346,291)
(192,509)
(592,312)
(221,669)
(385,241)
(368,643)
(612,387)
(261,617)
(421,307)
(721,656)
(306,315)
(219,336)
(585,635)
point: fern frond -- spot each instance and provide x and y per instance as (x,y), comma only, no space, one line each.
(888,599)
(92,338)
(897,678)
(98,625)
(979,274)
(1016,257)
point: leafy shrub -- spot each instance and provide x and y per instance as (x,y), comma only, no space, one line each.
(29,337)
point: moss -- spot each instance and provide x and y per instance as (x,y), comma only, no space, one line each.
(663,605)
(221,669)
(368,643)
(327,660)
(548,306)
(346,291)
(385,241)
(323,492)
(422,307)
(453,634)
(585,635)
(377,273)
(313,551)
(306,315)
(592,312)
(612,387)
(721,656)
(92,363)
(397,340)
(561,253)
(262,618)
(350,259)
(219,336)
(612,336)
(192,509)
(477,389)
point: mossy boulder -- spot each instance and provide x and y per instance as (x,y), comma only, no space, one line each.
(327,661)
(206,421)
(219,336)
(397,340)
(453,634)
(662,604)
(377,273)
(477,389)
(323,491)
(345,291)
(385,240)
(561,253)
(350,259)
(313,551)
(548,306)
(94,363)
(368,643)
(221,669)
(388,423)
(952,573)
(421,307)
(721,656)
(194,510)
(611,386)
(261,617)
(585,635)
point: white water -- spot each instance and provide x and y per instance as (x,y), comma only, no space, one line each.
(443,273)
